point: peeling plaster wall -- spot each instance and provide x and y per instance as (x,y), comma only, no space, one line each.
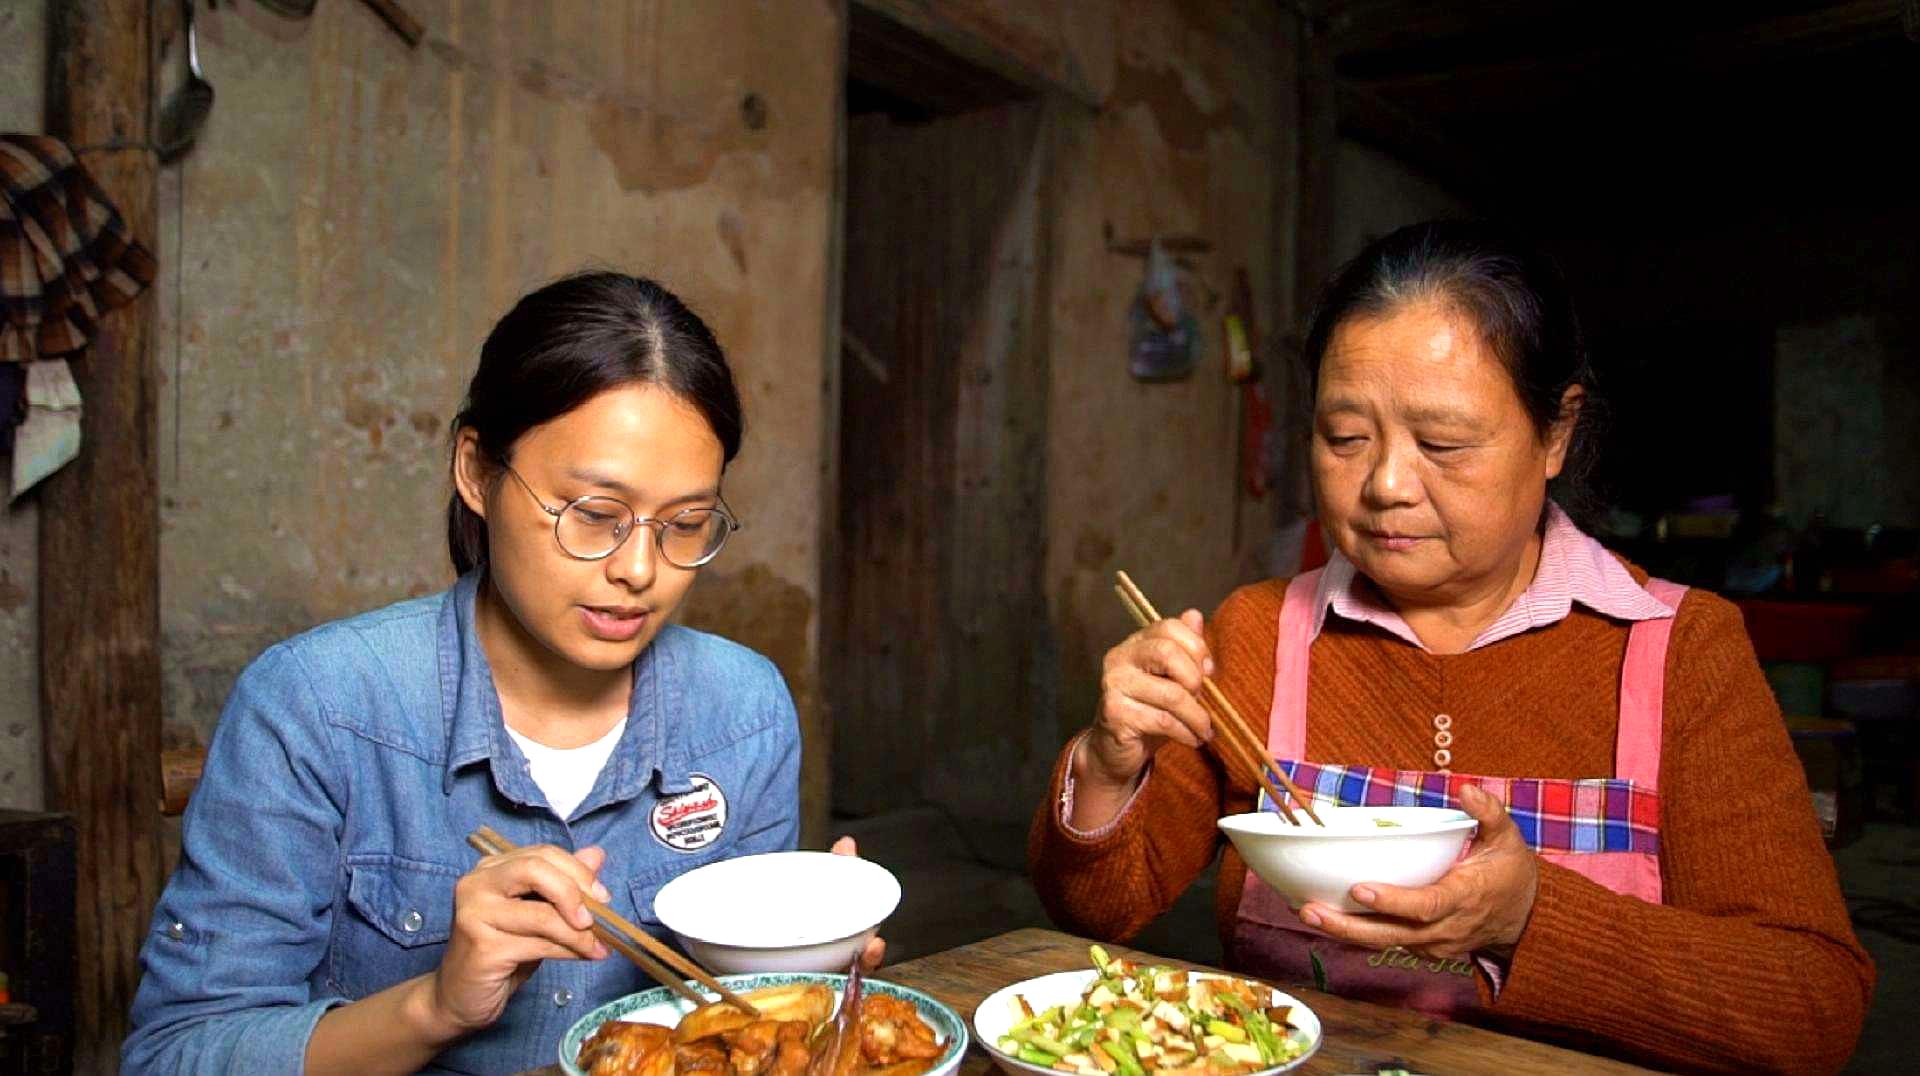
(1145,477)
(355,217)
(23,77)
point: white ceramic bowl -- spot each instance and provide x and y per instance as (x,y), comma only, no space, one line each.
(779,911)
(1308,862)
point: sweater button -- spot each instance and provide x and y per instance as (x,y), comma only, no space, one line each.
(1443,758)
(1443,738)
(1442,721)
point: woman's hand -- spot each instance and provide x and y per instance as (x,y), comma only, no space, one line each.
(1149,686)
(876,950)
(1481,905)
(500,935)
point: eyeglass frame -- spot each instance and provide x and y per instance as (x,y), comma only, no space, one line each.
(654,524)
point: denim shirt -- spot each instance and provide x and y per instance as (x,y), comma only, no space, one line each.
(322,845)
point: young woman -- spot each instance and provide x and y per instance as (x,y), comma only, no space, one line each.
(327,914)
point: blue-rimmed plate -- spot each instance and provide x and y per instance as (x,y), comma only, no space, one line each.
(662,1006)
(1000,1011)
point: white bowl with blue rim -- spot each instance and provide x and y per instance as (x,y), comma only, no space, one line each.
(661,1006)
(1000,1011)
(778,911)
(1401,846)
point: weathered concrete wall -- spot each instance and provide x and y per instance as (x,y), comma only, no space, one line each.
(1689,306)
(1839,424)
(23,76)
(1375,193)
(355,217)
(1144,477)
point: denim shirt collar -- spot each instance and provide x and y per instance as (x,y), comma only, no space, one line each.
(652,750)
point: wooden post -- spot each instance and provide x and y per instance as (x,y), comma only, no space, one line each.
(1319,145)
(99,548)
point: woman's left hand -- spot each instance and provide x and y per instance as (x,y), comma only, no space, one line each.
(876,946)
(1481,905)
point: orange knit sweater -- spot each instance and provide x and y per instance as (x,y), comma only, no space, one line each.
(1750,964)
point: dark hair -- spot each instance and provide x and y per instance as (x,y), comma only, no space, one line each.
(1516,298)
(570,341)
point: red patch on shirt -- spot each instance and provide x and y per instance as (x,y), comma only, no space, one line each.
(689,821)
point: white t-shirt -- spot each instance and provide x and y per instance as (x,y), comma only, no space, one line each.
(566,774)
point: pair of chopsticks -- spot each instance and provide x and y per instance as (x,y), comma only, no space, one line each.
(630,941)
(1237,745)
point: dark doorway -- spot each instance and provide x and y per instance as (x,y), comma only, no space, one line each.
(936,653)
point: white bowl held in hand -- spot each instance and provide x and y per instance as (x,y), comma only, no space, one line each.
(1403,846)
(779,911)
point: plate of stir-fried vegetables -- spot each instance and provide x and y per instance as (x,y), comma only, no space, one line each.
(1119,1018)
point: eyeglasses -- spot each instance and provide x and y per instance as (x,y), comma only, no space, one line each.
(593,527)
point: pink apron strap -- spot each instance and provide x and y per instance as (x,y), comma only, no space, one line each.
(1287,722)
(1643,678)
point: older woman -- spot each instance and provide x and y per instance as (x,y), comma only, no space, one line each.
(1647,879)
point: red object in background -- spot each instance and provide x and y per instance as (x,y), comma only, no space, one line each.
(1804,631)
(1313,550)
(1256,425)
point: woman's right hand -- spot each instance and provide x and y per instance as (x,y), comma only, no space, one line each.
(1149,694)
(510,912)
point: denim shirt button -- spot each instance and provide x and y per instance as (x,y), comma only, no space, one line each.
(177,931)
(562,997)
(412,922)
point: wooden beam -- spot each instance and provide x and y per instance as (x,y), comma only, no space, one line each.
(1366,26)
(1369,117)
(1697,50)
(1319,145)
(817,728)
(970,31)
(99,548)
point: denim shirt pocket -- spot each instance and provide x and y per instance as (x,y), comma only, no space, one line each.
(398,917)
(645,885)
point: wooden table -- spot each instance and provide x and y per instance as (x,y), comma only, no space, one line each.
(1357,1037)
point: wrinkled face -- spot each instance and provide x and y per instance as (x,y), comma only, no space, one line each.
(638,443)
(1429,472)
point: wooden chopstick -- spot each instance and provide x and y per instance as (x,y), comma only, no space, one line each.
(1236,726)
(619,934)
(1228,744)
(613,939)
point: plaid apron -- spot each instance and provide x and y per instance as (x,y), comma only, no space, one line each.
(1607,829)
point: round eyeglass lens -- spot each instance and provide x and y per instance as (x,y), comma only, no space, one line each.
(691,538)
(592,527)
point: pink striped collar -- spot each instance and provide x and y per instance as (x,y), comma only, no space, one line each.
(1573,568)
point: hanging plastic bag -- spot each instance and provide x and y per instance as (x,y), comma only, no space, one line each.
(1164,336)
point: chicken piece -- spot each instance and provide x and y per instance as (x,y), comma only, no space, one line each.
(791,1054)
(620,1048)
(891,1030)
(811,1002)
(758,1047)
(707,1057)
